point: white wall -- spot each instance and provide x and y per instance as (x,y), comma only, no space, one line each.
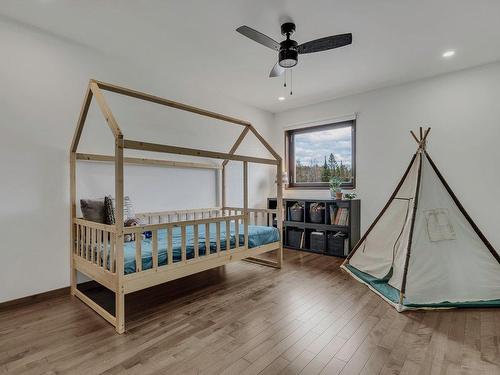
(463,110)
(43,79)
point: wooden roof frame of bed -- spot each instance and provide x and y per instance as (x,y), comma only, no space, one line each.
(95,90)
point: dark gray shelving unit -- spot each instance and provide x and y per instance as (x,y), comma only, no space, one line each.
(304,228)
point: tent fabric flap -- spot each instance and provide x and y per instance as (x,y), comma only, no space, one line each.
(387,242)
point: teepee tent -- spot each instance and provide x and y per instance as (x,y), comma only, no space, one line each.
(423,250)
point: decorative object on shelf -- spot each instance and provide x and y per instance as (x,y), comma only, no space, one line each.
(297,212)
(350,195)
(317,212)
(335,183)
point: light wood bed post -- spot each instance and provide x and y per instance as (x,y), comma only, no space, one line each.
(279,207)
(223,188)
(72,182)
(72,237)
(119,223)
(120,294)
(245,202)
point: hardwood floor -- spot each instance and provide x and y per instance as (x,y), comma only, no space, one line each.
(308,318)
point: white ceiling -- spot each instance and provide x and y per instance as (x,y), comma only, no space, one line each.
(394,40)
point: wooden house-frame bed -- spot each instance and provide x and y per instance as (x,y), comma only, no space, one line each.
(97,250)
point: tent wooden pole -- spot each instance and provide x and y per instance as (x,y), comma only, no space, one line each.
(421,134)
(393,195)
(412,226)
(414,136)
(426,134)
(237,144)
(480,234)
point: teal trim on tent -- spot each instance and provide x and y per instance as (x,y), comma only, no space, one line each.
(392,294)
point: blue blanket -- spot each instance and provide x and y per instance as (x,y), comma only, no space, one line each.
(257,236)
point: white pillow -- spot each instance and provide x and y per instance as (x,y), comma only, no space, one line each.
(128,208)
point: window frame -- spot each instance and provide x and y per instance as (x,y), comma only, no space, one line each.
(290,155)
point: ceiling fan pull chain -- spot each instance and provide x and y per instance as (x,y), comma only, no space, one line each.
(291,82)
(284,84)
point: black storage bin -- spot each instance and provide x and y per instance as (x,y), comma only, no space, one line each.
(294,237)
(317,241)
(318,215)
(335,244)
(297,214)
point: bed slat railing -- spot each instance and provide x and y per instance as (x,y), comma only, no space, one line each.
(95,244)
(256,216)
(185,241)
(207,238)
(175,216)
(170,245)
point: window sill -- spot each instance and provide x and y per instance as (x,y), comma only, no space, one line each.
(306,188)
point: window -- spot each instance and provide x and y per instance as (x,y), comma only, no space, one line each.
(316,154)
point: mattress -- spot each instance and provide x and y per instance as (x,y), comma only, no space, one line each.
(257,236)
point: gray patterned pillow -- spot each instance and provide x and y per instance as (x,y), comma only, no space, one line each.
(93,210)
(109,211)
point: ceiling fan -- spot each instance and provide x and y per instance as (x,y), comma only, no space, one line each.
(289,50)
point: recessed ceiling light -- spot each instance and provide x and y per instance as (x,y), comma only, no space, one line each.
(281,98)
(449,53)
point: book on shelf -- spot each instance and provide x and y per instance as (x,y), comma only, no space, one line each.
(346,246)
(339,216)
(333,213)
(302,240)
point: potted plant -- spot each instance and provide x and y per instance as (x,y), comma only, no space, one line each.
(335,183)
(296,212)
(317,212)
(350,195)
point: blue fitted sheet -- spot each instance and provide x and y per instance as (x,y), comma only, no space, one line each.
(257,236)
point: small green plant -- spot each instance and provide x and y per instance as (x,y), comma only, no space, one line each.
(335,183)
(351,195)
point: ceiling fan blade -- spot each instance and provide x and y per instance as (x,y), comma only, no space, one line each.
(324,44)
(259,37)
(276,71)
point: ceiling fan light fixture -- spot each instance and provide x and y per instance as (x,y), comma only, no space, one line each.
(288,58)
(288,63)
